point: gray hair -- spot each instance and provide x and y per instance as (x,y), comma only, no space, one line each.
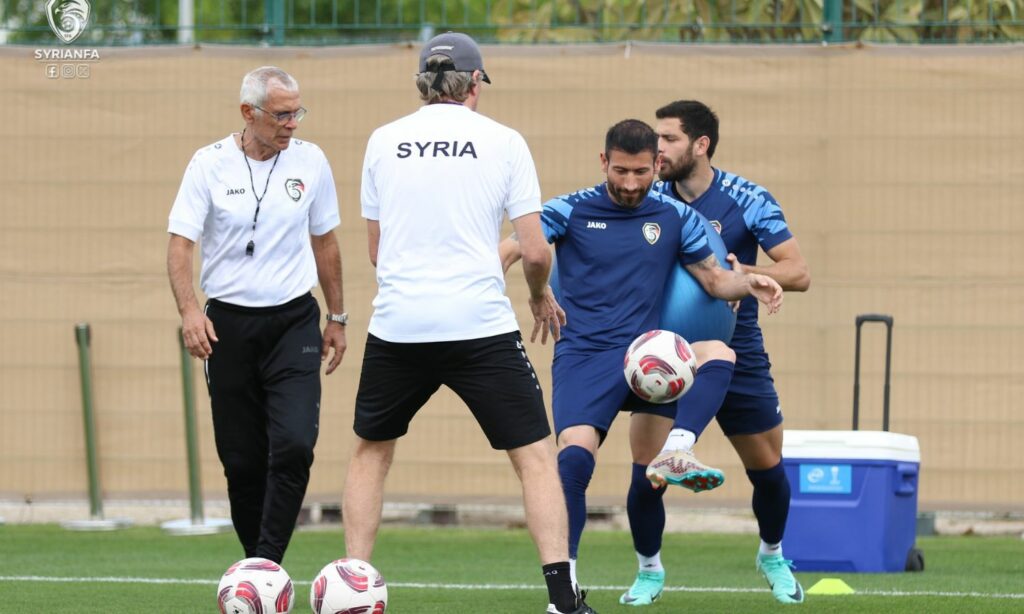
(257,82)
(455,85)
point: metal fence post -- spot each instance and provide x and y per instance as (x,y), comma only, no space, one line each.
(96,522)
(191,446)
(186,22)
(83,339)
(832,21)
(197,523)
(273,21)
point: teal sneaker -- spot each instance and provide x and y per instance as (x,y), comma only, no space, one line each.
(776,570)
(646,588)
(681,468)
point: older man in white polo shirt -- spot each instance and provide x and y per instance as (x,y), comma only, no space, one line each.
(263,207)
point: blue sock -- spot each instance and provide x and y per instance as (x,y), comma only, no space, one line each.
(771,501)
(646,511)
(575,467)
(697,408)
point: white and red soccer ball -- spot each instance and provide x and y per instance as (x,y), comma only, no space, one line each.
(349,586)
(660,366)
(255,586)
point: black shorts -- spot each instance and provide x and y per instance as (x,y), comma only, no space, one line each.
(492,376)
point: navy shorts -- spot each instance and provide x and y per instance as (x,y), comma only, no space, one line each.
(590,389)
(493,376)
(748,414)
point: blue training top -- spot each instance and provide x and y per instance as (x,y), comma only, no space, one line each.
(613,262)
(746,216)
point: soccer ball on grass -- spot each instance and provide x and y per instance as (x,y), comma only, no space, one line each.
(349,586)
(255,586)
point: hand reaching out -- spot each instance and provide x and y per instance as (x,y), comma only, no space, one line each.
(766,290)
(548,316)
(762,287)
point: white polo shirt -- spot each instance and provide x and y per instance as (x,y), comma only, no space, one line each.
(216,203)
(440,181)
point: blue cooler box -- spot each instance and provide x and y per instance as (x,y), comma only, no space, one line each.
(854,499)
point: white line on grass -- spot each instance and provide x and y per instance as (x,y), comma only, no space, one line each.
(502,587)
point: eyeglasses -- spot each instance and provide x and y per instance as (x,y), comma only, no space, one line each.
(285,116)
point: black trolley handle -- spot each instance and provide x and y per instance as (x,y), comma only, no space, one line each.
(887,320)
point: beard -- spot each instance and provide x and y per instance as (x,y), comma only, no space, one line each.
(630,200)
(679,171)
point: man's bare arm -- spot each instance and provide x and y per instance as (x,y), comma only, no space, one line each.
(733,285)
(788,266)
(328,270)
(196,329)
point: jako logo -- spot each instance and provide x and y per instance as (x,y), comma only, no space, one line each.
(598,225)
(67,18)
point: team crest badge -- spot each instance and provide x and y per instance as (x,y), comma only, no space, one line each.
(295,188)
(716,225)
(67,18)
(652,232)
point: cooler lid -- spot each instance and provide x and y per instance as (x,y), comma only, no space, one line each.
(868,445)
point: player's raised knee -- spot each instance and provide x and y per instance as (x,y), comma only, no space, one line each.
(713,350)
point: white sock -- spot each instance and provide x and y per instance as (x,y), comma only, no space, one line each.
(650,563)
(767,548)
(572,573)
(679,439)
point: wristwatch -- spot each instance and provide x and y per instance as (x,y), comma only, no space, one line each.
(340,318)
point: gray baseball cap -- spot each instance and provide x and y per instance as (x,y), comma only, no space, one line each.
(460,48)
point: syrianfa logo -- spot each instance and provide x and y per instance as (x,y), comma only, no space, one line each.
(67,18)
(295,188)
(652,232)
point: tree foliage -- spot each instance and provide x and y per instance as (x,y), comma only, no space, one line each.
(738,21)
(135,22)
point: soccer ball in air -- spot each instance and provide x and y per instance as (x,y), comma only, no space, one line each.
(660,366)
(349,586)
(255,586)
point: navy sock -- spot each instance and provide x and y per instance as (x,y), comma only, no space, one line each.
(646,511)
(698,407)
(575,467)
(771,501)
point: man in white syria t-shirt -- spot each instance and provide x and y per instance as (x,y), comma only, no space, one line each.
(263,207)
(436,186)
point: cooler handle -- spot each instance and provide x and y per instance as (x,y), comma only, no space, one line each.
(906,479)
(861,319)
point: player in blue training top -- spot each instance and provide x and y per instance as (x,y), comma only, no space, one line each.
(616,244)
(747,217)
